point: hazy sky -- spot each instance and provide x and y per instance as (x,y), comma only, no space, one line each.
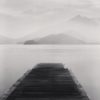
(19,18)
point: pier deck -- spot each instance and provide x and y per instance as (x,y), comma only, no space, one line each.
(48,82)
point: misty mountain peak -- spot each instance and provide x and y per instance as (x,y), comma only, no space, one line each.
(84,20)
(56,39)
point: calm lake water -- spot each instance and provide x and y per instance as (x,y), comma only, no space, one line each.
(83,60)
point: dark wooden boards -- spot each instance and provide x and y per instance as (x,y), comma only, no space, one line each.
(48,82)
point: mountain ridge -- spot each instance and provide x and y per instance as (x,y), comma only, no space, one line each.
(84,20)
(56,39)
(6,40)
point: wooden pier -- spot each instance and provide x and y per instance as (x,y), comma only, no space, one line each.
(47,82)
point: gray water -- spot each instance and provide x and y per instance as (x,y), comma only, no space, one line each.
(83,60)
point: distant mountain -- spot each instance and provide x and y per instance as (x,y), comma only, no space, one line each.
(6,40)
(56,39)
(84,20)
(30,42)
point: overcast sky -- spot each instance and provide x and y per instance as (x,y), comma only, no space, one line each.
(19,18)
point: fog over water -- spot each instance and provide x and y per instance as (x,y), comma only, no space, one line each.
(83,60)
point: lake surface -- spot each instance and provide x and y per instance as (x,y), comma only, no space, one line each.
(82,60)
